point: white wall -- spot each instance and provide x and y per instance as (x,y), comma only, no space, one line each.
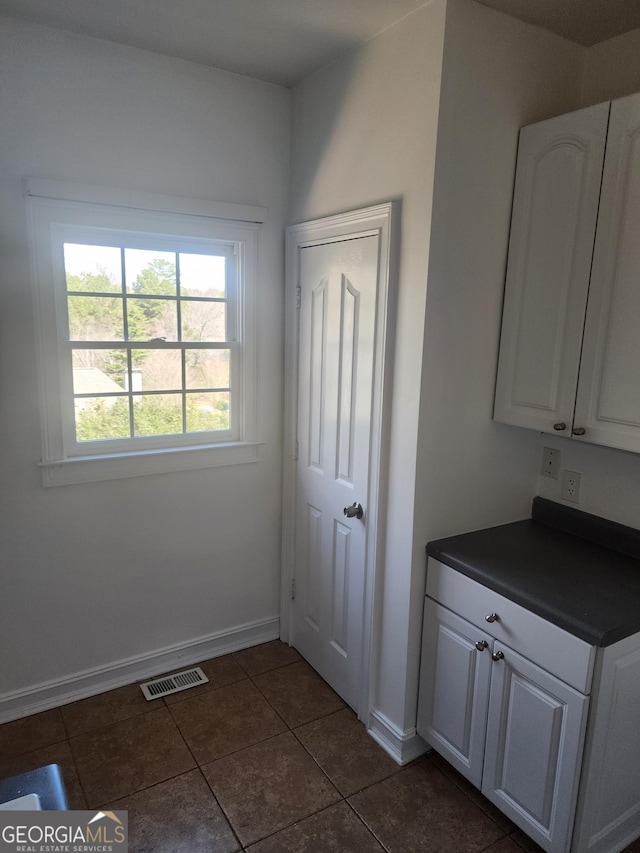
(94,574)
(98,573)
(364,131)
(610,483)
(612,69)
(498,75)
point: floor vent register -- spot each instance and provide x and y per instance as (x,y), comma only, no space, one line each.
(173,683)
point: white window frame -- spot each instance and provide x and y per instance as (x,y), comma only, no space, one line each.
(56,220)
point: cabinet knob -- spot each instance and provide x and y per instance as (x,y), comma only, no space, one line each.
(559,427)
(497,656)
(481,645)
(492,617)
(578,431)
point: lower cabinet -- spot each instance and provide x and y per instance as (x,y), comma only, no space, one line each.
(544,724)
(511,728)
(535,736)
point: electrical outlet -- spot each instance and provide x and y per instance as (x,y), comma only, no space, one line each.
(571,486)
(550,462)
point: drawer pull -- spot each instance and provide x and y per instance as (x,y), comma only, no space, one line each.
(492,617)
(559,427)
(497,656)
(481,645)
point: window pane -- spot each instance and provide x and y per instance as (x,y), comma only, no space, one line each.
(203,275)
(156,370)
(152,318)
(95,318)
(204,321)
(98,418)
(149,272)
(208,411)
(99,371)
(207,368)
(159,414)
(96,269)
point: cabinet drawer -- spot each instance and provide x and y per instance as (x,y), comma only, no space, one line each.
(554,649)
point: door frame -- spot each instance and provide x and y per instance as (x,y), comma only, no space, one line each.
(381,221)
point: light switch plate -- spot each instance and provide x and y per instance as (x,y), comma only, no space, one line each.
(550,462)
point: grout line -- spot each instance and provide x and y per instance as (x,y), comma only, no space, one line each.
(196,769)
(104,803)
(79,777)
(184,740)
(366,825)
(489,847)
(138,790)
(72,736)
(306,722)
(315,760)
(297,821)
(472,793)
(47,745)
(341,798)
(64,723)
(184,695)
(264,671)
(242,749)
(269,703)
(221,807)
(227,817)
(114,723)
(324,717)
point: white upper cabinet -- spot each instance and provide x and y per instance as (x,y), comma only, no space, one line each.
(608,399)
(570,346)
(553,224)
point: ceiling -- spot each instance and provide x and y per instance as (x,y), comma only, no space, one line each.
(280,41)
(283,41)
(584,21)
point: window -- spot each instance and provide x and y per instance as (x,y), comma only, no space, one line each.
(150,341)
(146,337)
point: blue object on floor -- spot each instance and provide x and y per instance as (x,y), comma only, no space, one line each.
(46,782)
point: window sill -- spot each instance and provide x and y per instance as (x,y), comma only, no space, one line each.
(87,469)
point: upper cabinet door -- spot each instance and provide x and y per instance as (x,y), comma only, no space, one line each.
(608,400)
(553,224)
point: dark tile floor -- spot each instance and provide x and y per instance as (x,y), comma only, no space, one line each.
(264,758)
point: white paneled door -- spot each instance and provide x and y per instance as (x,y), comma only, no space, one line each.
(336,359)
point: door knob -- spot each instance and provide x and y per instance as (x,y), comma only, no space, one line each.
(354,511)
(578,431)
(481,645)
(497,656)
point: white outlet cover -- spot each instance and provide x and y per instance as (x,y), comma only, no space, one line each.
(571,486)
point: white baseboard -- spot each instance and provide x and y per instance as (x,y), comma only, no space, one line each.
(80,685)
(402,746)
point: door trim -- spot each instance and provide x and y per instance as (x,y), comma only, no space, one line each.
(381,221)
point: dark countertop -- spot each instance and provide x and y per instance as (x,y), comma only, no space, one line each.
(576,570)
